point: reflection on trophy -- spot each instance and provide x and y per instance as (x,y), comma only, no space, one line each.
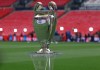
(45,24)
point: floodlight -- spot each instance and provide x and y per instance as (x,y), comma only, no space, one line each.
(25,29)
(90,29)
(61,28)
(15,30)
(75,30)
(1,29)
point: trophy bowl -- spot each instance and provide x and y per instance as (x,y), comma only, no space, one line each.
(44,25)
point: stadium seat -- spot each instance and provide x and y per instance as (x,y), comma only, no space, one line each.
(81,20)
(60,13)
(5,3)
(17,20)
(5,11)
(91,5)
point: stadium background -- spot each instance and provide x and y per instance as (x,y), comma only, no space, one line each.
(78,21)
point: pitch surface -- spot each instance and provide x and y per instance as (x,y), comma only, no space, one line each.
(75,56)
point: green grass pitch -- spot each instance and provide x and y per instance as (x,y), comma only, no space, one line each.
(75,56)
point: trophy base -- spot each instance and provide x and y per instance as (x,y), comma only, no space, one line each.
(45,51)
(43,61)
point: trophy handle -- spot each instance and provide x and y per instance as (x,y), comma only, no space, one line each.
(52,5)
(52,26)
(38,6)
(53,19)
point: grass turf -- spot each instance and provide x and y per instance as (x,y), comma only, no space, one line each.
(75,56)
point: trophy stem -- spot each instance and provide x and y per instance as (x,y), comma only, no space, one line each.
(44,48)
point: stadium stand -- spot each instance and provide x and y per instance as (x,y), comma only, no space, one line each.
(81,20)
(91,5)
(17,20)
(5,11)
(5,3)
(22,18)
(75,4)
(60,13)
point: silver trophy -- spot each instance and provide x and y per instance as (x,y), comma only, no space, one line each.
(44,25)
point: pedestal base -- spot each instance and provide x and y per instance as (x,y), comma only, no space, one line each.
(43,61)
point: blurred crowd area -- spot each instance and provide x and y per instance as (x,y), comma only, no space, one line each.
(64,37)
(78,37)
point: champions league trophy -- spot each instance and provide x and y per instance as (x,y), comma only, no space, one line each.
(44,26)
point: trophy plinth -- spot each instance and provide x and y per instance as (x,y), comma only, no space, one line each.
(43,61)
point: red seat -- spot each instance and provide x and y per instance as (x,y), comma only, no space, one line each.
(5,3)
(60,13)
(81,20)
(18,20)
(5,11)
